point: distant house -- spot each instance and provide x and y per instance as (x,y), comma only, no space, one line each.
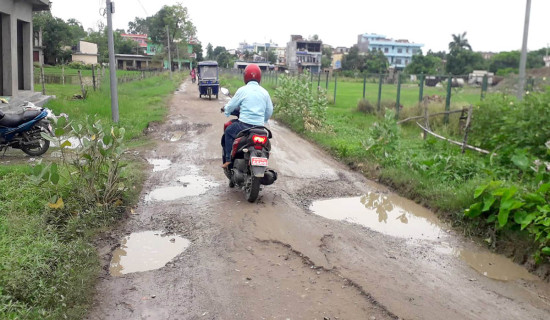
(85,52)
(302,54)
(16,44)
(398,52)
(547,61)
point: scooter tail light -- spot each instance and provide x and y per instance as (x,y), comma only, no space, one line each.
(258,147)
(259,139)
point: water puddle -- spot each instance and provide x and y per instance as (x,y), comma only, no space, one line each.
(494,266)
(385,213)
(160,164)
(144,251)
(190,186)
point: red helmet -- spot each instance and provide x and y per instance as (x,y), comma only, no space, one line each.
(252,72)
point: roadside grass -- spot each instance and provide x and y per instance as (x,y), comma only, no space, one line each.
(48,264)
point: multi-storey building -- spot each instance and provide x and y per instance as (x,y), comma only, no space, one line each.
(256,47)
(398,52)
(303,54)
(140,39)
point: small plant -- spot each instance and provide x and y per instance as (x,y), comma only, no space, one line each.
(366,107)
(93,166)
(383,138)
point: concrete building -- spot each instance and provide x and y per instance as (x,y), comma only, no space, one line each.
(256,47)
(140,39)
(16,44)
(303,54)
(547,61)
(85,52)
(398,52)
(38,48)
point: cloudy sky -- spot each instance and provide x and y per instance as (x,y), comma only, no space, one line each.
(491,25)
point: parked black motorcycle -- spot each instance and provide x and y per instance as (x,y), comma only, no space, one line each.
(249,159)
(23,130)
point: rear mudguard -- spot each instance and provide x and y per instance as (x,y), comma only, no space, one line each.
(258,171)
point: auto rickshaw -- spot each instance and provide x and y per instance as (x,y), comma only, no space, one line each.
(209,82)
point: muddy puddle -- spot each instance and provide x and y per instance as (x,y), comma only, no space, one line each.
(144,251)
(188,186)
(385,213)
(490,265)
(160,164)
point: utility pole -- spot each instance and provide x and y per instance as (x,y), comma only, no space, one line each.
(169,55)
(178,53)
(523,59)
(112,67)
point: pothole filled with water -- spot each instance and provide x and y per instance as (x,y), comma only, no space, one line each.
(384,213)
(144,251)
(491,265)
(160,164)
(190,186)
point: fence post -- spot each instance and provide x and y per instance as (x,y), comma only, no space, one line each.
(484,85)
(397,102)
(63,74)
(319,80)
(364,86)
(82,85)
(93,77)
(467,128)
(326,86)
(42,81)
(448,100)
(311,80)
(426,121)
(421,92)
(379,90)
(335,83)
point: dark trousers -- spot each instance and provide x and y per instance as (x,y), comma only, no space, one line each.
(230,135)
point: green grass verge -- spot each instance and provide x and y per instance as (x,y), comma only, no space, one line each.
(48,264)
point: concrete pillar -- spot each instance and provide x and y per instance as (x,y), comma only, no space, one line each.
(27,57)
(123,64)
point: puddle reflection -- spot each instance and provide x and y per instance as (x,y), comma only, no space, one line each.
(190,186)
(388,214)
(144,251)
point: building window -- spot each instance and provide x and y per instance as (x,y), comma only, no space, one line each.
(397,61)
(407,50)
(399,50)
(386,50)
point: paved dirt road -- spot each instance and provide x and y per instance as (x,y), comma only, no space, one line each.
(276,259)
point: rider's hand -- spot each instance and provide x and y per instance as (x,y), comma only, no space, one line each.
(222,110)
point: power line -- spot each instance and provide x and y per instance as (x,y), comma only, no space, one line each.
(142,7)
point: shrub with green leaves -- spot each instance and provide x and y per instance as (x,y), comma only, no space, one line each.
(507,207)
(383,137)
(93,166)
(298,105)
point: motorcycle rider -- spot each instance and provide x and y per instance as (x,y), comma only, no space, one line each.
(255,108)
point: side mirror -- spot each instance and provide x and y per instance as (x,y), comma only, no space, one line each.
(225,91)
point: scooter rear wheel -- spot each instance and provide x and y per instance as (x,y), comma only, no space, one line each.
(252,189)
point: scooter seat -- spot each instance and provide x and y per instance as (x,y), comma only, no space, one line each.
(14,120)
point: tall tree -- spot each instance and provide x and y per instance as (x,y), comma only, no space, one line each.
(459,43)
(139,25)
(197,48)
(428,64)
(326,58)
(209,52)
(171,22)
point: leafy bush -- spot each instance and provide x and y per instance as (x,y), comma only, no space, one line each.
(94,165)
(79,65)
(298,105)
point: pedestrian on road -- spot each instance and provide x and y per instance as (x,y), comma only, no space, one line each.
(255,108)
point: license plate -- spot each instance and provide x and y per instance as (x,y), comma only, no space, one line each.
(261,162)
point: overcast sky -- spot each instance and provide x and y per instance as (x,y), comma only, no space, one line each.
(491,25)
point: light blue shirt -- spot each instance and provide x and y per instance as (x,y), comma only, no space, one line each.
(255,103)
